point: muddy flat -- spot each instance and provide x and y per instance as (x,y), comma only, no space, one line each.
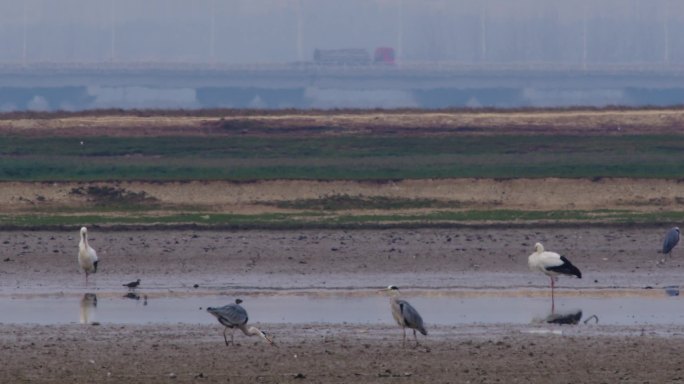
(618,257)
(343,354)
(252,263)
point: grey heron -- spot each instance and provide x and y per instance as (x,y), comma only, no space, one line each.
(87,257)
(235,316)
(552,265)
(405,314)
(133,284)
(671,240)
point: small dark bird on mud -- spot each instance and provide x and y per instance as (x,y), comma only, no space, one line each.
(133,284)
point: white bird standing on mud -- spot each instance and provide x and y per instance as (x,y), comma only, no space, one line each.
(405,314)
(552,265)
(234,316)
(87,257)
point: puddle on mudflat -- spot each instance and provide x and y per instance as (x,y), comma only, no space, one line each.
(460,307)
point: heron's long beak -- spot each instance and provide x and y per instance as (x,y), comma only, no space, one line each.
(267,338)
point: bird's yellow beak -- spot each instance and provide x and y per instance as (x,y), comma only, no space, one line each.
(268,339)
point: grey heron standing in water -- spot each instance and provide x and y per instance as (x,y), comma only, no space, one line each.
(405,314)
(671,240)
(235,316)
(87,257)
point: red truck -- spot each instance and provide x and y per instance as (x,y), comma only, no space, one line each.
(384,55)
(354,56)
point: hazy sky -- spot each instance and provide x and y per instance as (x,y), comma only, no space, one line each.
(570,32)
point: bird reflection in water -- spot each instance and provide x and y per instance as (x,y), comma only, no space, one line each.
(571,317)
(132,296)
(135,296)
(88,305)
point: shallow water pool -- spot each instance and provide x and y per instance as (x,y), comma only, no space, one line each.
(444,307)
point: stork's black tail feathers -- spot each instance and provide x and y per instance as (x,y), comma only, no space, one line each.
(566,268)
(95,266)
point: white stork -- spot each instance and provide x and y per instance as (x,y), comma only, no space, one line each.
(552,265)
(87,257)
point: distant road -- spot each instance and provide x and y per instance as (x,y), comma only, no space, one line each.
(409,76)
(274,85)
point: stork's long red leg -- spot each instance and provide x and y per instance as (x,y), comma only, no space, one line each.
(553,304)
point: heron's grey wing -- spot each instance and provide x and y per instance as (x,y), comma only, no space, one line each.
(671,239)
(230,315)
(411,316)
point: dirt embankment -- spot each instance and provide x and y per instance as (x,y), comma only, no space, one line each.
(252,197)
(307,123)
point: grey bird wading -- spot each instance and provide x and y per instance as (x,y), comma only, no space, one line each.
(235,316)
(671,240)
(405,315)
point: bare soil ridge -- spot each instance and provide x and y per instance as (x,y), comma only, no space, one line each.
(237,122)
(257,197)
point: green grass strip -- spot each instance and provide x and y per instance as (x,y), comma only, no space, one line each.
(340,158)
(317,219)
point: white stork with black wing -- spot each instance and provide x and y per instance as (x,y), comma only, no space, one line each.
(552,265)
